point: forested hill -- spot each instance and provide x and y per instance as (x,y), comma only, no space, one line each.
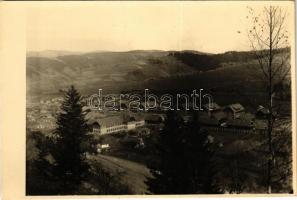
(49,71)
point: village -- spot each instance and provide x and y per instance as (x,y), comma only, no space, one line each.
(136,124)
(190,100)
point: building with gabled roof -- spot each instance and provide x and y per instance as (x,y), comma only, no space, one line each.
(114,124)
(234,111)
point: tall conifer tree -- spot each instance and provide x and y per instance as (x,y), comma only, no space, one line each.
(166,171)
(185,160)
(200,168)
(70,132)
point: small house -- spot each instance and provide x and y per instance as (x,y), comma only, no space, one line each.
(262,112)
(233,111)
(102,147)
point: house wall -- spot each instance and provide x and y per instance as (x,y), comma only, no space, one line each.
(135,124)
(131,125)
(139,123)
(113,129)
(118,128)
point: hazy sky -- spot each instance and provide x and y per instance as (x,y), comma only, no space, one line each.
(120,26)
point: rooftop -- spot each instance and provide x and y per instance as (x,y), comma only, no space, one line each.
(236,107)
(108,121)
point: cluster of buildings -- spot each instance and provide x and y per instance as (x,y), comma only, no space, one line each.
(40,119)
(232,118)
(41,116)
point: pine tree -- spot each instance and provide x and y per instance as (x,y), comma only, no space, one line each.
(185,160)
(200,168)
(166,170)
(70,132)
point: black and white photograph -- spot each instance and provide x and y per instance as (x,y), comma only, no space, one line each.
(159,98)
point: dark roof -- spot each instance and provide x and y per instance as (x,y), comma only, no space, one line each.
(136,118)
(91,116)
(154,117)
(108,121)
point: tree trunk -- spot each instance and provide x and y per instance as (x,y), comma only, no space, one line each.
(270,106)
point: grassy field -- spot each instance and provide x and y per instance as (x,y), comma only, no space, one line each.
(130,173)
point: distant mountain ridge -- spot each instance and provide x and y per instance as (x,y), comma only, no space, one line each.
(50,71)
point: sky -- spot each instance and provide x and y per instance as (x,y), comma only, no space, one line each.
(212,27)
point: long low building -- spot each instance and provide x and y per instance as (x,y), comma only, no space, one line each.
(232,118)
(114,124)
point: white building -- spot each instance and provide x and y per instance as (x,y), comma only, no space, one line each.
(114,124)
